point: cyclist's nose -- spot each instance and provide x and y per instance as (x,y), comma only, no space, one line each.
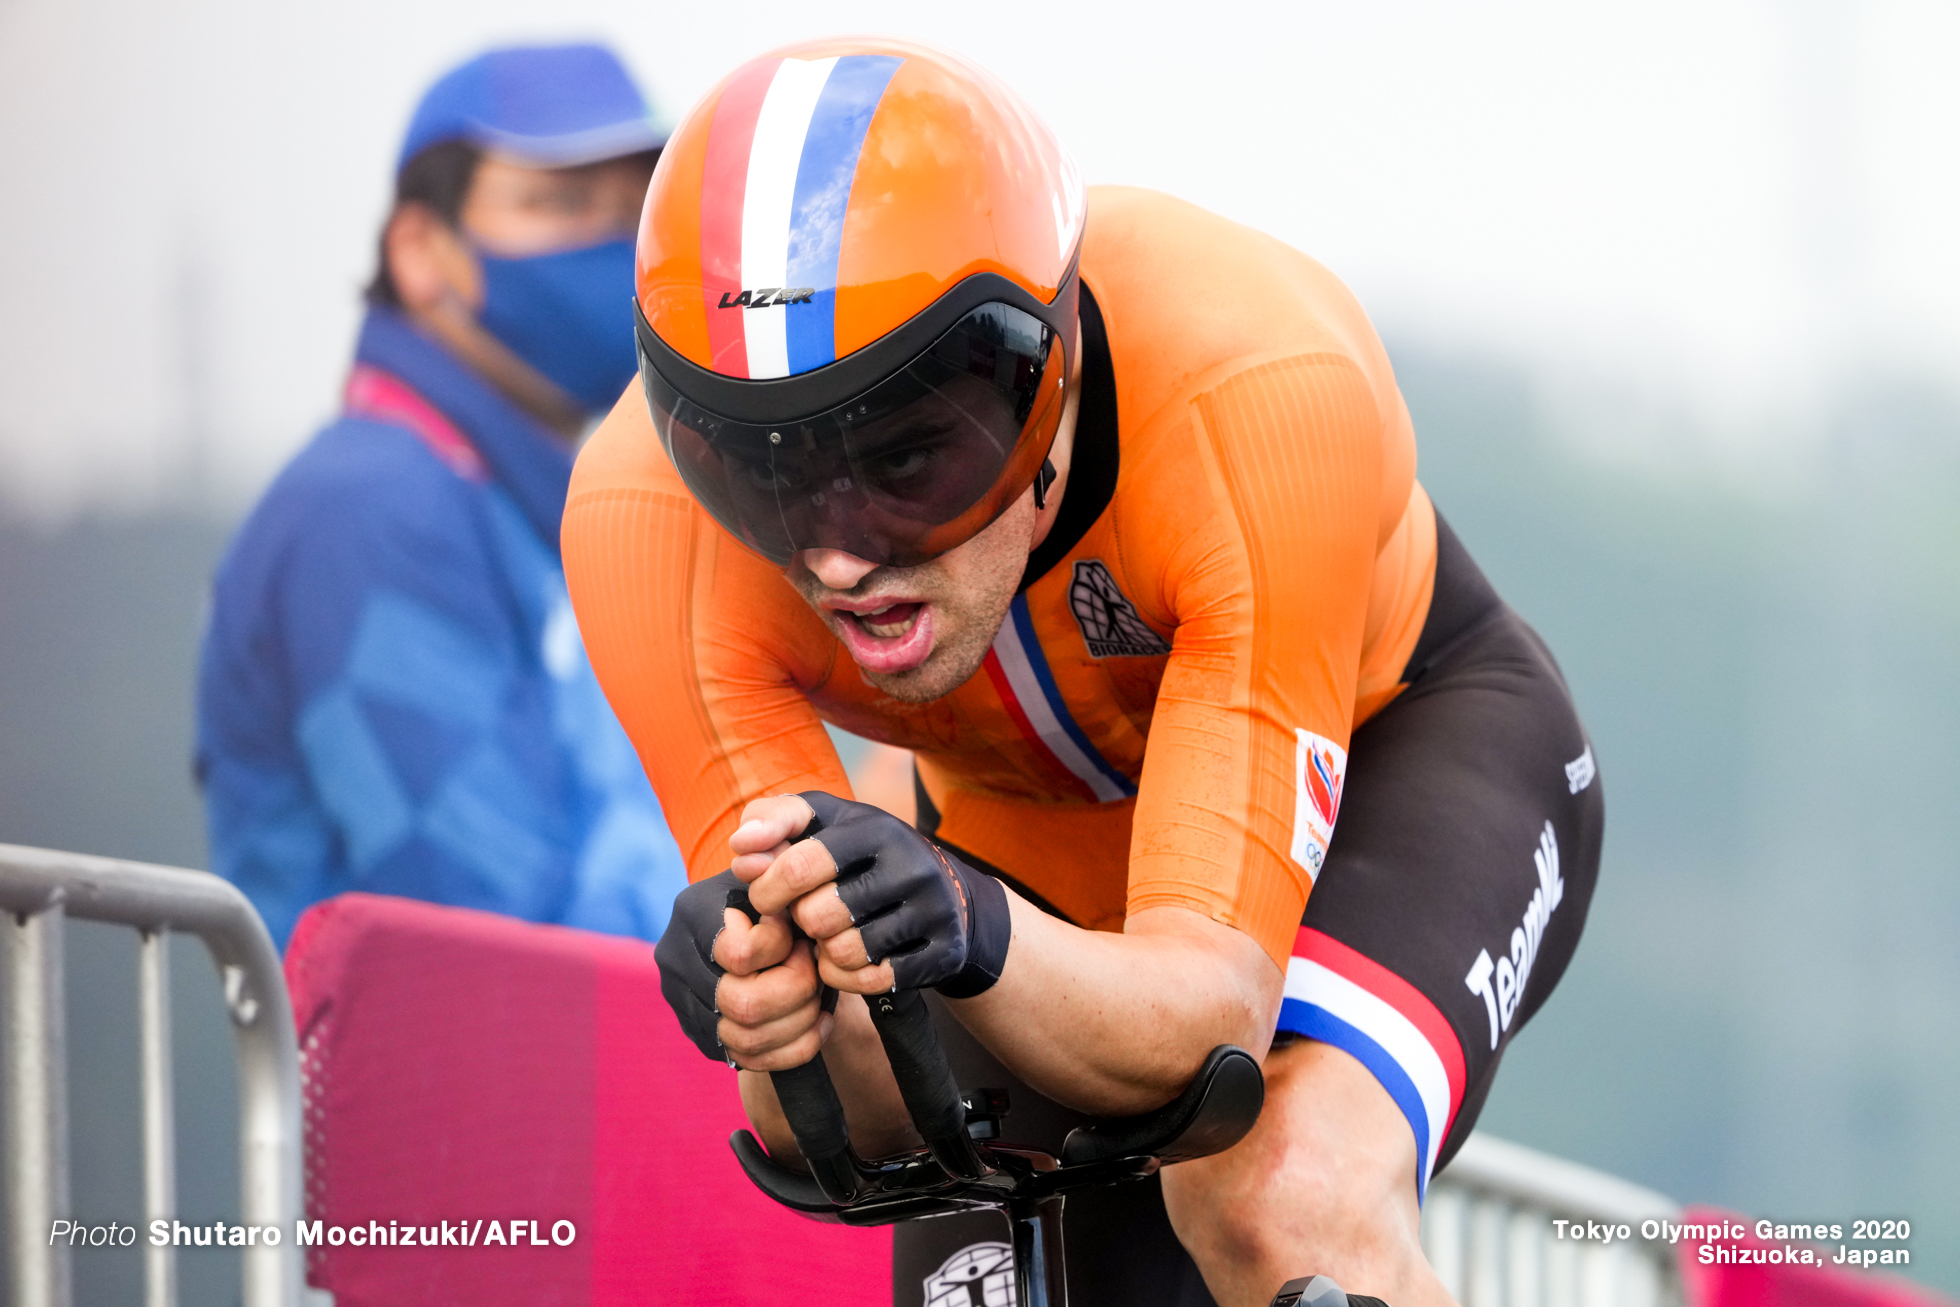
(835,568)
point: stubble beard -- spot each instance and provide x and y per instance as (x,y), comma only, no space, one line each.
(970,590)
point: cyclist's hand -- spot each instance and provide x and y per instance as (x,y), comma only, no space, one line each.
(887,907)
(742,990)
(774,1019)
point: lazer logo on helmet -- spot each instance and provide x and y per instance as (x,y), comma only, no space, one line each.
(767,297)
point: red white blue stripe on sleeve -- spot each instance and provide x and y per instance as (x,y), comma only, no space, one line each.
(1020,675)
(1339,997)
(782,153)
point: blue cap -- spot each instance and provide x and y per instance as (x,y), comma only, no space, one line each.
(557,106)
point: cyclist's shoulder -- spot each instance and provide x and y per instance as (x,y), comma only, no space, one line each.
(1191,299)
(628,517)
(624,457)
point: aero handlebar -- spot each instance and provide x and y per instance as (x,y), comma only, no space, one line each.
(816,1117)
(957,1171)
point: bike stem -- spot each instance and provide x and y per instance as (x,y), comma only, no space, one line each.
(1040,1278)
(955,1173)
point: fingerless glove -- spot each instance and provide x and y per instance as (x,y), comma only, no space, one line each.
(940,923)
(686,956)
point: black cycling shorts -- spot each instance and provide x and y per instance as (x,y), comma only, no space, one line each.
(1453,895)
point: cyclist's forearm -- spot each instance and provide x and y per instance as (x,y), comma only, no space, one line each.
(1118,1024)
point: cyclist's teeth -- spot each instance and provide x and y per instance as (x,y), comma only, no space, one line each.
(898,620)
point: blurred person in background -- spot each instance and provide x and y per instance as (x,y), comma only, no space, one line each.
(393,694)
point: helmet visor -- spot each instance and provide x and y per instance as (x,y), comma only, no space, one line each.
(915,465)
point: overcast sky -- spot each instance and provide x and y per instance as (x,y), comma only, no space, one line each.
(1725,205)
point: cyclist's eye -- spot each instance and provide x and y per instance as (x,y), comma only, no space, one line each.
(901,464)
(769,477)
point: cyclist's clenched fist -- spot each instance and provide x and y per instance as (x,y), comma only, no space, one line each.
(883,907)
(745,989)
(887,907)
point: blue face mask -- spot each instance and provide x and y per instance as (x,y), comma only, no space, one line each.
(569,315)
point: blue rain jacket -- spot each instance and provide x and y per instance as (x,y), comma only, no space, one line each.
(393,695)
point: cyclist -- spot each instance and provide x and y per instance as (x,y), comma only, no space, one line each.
(1106,508)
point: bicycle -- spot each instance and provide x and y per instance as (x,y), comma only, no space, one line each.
(965,1166)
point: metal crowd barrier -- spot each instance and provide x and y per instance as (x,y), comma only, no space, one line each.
(1487,1228)
(38,888)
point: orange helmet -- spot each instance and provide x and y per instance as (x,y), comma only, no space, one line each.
(857,299)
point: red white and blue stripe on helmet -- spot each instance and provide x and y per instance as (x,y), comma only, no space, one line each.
(782,152)
(1339,997)
(1021,677)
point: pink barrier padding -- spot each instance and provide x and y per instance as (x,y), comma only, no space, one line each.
(1780,1279)
(463,1068)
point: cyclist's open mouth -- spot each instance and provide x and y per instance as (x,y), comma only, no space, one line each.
(895,638)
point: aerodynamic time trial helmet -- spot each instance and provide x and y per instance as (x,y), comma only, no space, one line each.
(857,299)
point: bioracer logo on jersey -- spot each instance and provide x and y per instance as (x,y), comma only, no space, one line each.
(1111,625)
(1319,770)
(767,297)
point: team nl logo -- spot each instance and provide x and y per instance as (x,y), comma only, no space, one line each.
(1319,770)
(1501,984)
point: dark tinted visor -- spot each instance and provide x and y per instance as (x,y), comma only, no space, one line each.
(910,468)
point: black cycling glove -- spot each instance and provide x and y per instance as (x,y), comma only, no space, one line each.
(940,923)
(686,954)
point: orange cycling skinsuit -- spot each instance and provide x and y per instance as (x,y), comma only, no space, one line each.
(1249,672)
